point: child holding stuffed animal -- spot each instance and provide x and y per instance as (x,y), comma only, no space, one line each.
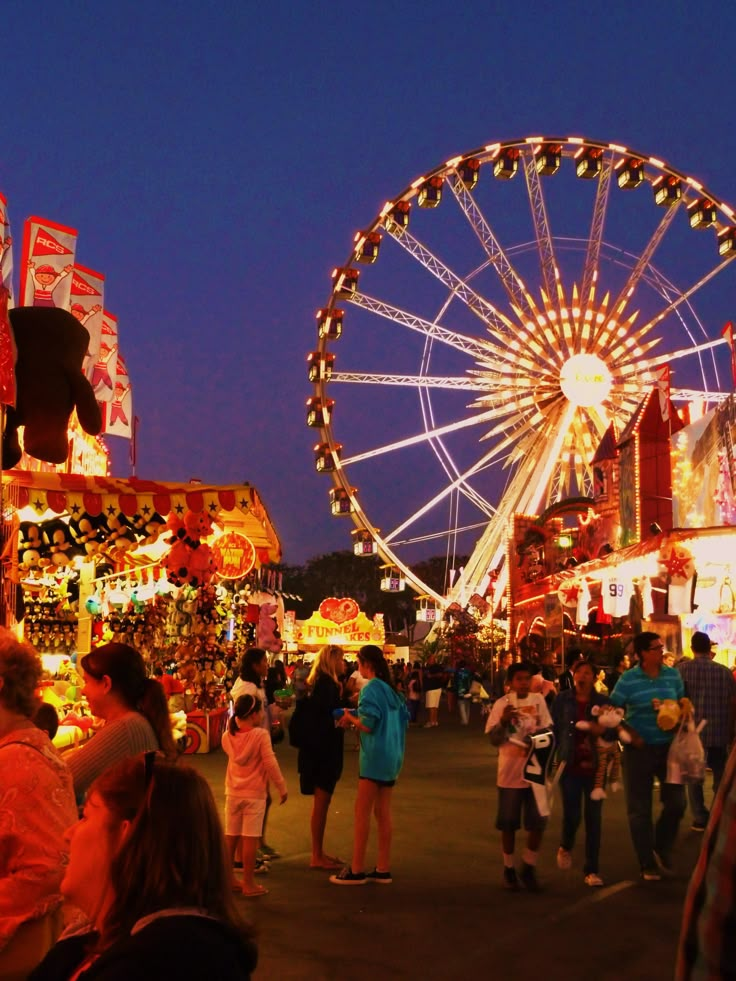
(516,715)
(576,728)
(251,765)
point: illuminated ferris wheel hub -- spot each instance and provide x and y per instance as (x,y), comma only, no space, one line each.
(585,380)
(470,361)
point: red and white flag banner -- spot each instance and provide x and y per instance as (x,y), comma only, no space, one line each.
(7,359)
(104,368)
(87,301)
(662,376)
(46,264)
(727,332)
(118,414)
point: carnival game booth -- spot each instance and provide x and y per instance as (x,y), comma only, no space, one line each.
(183,572)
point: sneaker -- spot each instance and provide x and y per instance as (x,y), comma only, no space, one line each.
(268,853)
(346,877)
(428,725)
(593,879)
(261,867)
(651,874)
(383,877)
(510,880)
(699,825)
(564,859)
(528,878)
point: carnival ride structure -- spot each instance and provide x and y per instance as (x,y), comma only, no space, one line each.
(485,331)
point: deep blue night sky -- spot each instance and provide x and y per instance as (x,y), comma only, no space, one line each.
(217,160)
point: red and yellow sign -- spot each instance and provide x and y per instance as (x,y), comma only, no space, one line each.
(348,632)
(234,555)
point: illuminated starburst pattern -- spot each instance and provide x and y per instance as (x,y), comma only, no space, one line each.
(551,337)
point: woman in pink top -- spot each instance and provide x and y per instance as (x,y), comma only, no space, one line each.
(251,764)
(36,807)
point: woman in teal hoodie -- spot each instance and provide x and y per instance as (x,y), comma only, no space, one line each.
(381,720)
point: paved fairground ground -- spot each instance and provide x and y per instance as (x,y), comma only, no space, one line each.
(446,916)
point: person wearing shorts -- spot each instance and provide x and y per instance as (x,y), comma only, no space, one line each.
(432,684)
(251,765)
(381,719)
(513,718)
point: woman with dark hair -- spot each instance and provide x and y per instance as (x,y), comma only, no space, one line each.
(321,749)
(134,709)
(36,808)
(159,904)
(381,719)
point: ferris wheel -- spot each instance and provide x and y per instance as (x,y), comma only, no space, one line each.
(489,325)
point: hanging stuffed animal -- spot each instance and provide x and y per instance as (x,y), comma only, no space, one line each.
(267,634)
(608,771)
(51,345)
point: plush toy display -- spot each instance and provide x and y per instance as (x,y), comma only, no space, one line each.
(608,771)
(87,533)
(31,546)
(60,547)
(51,345)
(671,712)
(190,559)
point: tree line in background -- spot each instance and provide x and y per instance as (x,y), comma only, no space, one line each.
(346,574)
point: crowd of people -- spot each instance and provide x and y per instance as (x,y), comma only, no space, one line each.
(162,905)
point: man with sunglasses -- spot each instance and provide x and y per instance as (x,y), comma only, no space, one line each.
(637,690)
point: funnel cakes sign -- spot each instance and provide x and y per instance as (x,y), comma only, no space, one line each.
(340,621)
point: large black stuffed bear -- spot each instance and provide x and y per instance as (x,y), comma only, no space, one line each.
(51,345)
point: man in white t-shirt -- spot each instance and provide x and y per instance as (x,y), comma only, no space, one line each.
(513,718)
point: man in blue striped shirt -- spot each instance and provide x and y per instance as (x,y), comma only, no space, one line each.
(646,756)
(712,689)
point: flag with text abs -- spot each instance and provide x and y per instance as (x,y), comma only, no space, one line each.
(104,369)
(47,263)
(118,413)
(87,301)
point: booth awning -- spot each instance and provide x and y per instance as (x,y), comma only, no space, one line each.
(77,495)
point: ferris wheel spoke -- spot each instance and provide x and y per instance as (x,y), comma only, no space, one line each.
(401,444)
(512,282)
(685,352)
(644,259)
(440,496)
(683,297)
(592,257)
(479,348)
(548,263)
(458,383)
(499,326)
(523,495)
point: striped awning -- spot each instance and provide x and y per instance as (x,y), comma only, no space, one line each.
(76,495)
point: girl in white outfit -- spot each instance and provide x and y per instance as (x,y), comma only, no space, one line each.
(251,765)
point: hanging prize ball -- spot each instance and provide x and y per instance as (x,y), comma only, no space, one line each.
(676,563)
